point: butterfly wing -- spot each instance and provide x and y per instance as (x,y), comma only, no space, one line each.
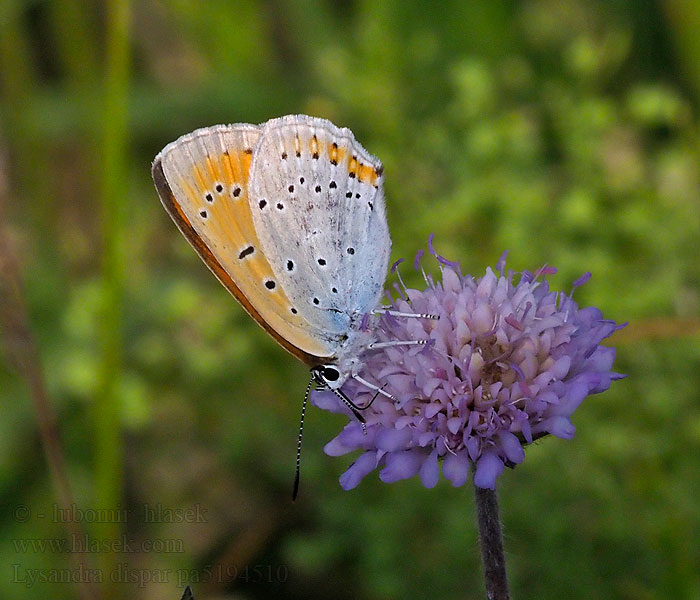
(203,182)
(317,203)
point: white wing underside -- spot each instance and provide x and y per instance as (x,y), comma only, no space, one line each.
(323,225)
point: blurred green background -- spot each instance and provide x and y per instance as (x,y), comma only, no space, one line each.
(563,130)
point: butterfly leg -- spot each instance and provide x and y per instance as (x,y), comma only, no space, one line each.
(366,406)
(352,406)
(376,345)
(398,313)
(371,386)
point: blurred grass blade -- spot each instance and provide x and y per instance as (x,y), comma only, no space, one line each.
(107,409)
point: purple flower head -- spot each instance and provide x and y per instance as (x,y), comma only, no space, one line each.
(506,363)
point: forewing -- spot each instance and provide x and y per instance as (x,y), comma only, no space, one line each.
(317,201)
(203,182)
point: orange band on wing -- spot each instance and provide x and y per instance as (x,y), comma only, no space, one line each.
(174,210)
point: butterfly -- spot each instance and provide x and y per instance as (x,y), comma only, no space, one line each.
(290,217)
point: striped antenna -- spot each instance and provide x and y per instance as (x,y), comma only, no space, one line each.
(295,491)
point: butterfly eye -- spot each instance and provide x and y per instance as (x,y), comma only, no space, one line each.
(330,373)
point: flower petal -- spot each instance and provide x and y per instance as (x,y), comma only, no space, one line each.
(455,468)
(401,465)
(454,424)
(561,427)
(365,464)
(511,447)
(488,468)
(429,471)
(390,440)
